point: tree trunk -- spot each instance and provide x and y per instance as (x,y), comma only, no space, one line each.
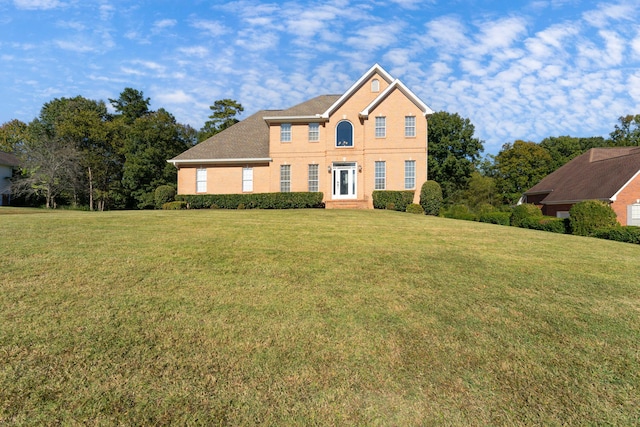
(90,190)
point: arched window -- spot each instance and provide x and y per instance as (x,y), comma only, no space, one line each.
(375,85)
(344,134)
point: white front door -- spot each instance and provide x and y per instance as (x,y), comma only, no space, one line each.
(344,181)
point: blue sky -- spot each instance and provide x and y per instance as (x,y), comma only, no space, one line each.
(516,69)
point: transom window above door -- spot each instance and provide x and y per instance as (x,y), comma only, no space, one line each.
(344,134)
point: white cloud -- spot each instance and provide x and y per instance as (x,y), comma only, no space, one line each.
(212,28)
(164,23)
(607,12)
(79,46)
(197,51)
(174,97)
(37,4)
(496,35)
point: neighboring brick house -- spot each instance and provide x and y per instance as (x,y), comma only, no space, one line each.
(372,137)
(7,163)
(611,175)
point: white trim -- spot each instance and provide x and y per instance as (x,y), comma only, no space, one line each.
(615,196)
(223,161)
(366,76)
(294,119)
(397,84)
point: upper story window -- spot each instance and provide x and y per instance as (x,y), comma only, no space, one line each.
(285,132)
(410,126)
(314,132)
(375,85)
(344,134)
(381,127)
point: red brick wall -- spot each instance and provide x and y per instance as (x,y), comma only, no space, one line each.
(628,196)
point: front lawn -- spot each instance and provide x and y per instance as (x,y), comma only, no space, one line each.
(318,317)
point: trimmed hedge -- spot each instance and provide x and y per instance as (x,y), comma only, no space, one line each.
(414,208)
(164,194)
(495,217)
(620,233)
(459,212)
(525,214)
(590,215)
(393,200)
(174,205)
(431,197)
(294,200)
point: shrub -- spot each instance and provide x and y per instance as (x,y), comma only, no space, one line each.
(431,197)
(525,214)
(619,233)
(415,208)
(399,199)
(295,200)
(164,194)
(590,215)
(495,217)
(555,225)
(174,205)
(459,212)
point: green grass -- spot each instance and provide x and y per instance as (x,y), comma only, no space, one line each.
(312,317)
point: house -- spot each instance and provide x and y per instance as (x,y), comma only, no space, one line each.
(608,174)
(372,137)
(7,163)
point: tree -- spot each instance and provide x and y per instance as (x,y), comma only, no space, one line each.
(481,190)
(12,134)
(518,167)
(453,151)
(131,105)
(48,166)
(223,116)
(627,133)
(150,141)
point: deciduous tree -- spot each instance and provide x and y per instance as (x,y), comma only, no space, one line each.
(453,151)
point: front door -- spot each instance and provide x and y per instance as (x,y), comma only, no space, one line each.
(344,181)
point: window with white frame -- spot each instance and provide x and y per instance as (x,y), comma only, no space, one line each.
(380,171)
(247,180)
(344,134)
(313,178)
(410,126)
(314,132)
(633,214)
(285,132)
(409,174)
(381,127)
(375,85)
(285,178)
(201,180)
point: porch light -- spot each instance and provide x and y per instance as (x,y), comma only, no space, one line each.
(329,168)
(360,168)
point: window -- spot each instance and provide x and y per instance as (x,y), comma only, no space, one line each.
(409,174)
(201,180)
(314,132)
(375,85)
(344,134)
(381,127)
(633,214)
(285,178)
(285,132)
(247,180)
(380,176)
(410,126)
(313,178)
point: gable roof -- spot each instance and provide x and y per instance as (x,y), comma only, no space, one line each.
(248,140)
(598,174)
(397,84)
(8,159)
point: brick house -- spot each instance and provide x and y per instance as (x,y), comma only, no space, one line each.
(7,163)
(372,137)
(611,175)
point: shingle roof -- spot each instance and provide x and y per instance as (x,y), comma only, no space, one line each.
(597,174)
(8,159)
(249,139)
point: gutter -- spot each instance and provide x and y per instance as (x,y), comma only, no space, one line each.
(176,163)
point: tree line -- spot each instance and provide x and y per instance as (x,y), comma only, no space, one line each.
(78,153)
(466,178)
